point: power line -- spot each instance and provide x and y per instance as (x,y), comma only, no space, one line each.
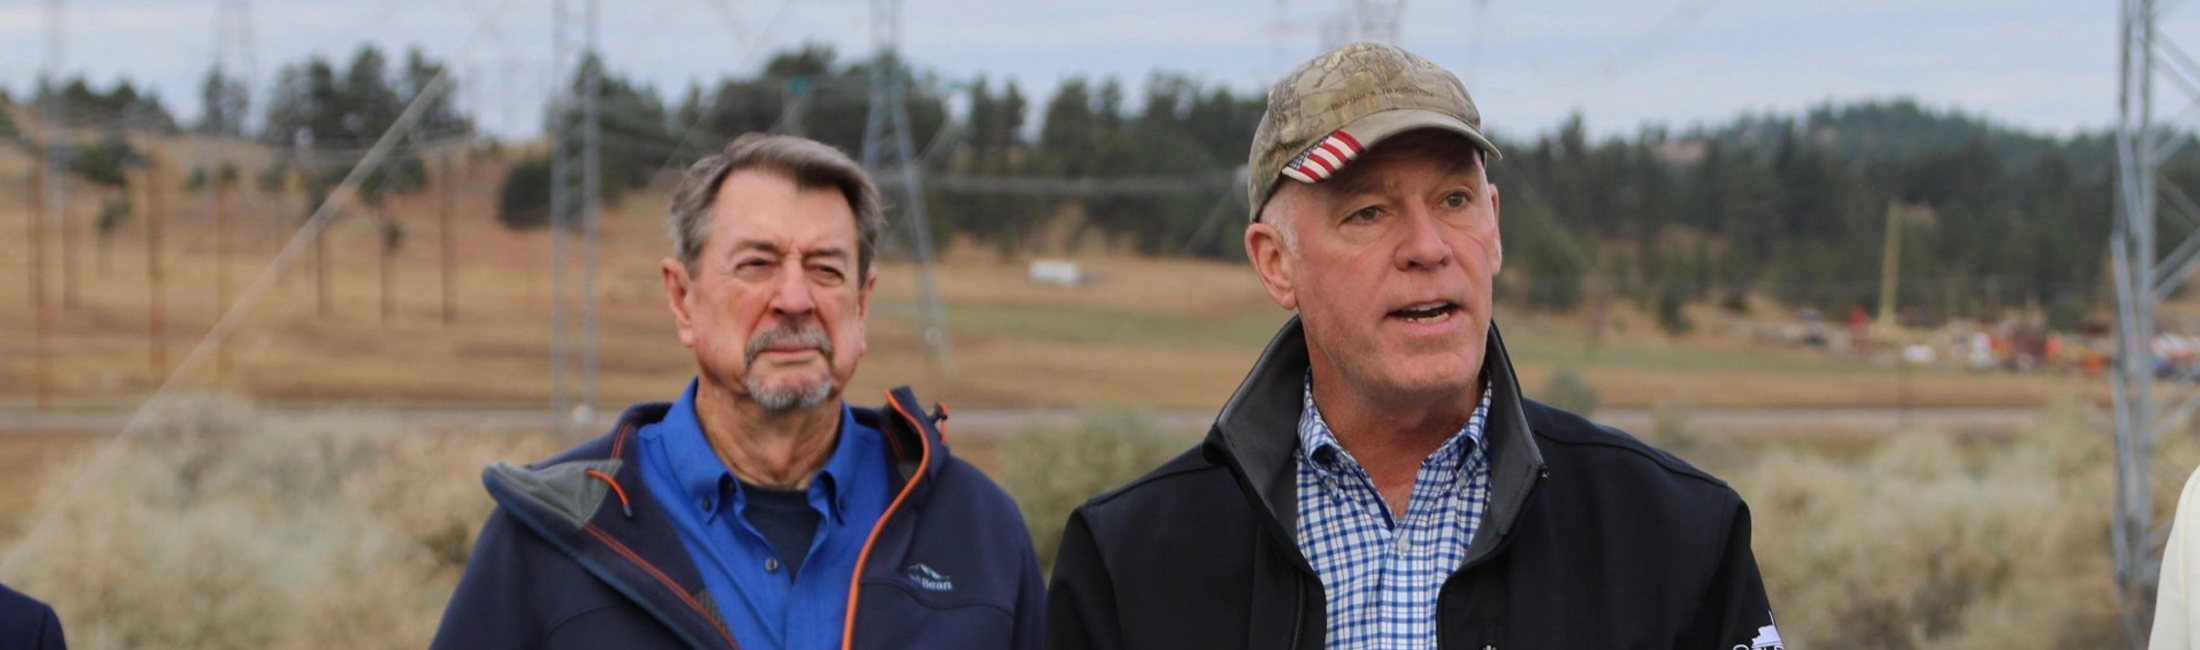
(1647,46)
(1091,187)
(750,48)
(161,396)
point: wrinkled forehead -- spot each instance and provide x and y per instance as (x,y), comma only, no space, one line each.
(766,205)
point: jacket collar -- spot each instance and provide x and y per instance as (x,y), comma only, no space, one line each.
(914,438)
(1255,436)
(701,475)
(590,503)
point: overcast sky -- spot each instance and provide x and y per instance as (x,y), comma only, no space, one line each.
(2044,65)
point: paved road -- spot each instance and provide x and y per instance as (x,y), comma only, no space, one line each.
(993,422)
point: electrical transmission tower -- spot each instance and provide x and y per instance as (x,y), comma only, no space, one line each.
(234,52)
(52,192)
(1365,20)
(575,177)
(2144,141)
(1348,21)
(886,133)
(234,70)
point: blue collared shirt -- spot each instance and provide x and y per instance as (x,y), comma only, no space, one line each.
(765,607)
(1381,574)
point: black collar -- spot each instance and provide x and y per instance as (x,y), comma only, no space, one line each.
(1256,436)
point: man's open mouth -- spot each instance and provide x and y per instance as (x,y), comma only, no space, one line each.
(1427,312)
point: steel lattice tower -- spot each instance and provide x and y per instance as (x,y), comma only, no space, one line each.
(2144,142)
(234,51)
(575,190)
(886,133)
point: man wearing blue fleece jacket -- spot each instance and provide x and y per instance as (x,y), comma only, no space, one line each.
(758,510)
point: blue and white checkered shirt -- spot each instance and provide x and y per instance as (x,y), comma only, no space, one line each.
(1381,575)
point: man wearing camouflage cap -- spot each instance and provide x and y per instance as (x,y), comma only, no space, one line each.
(1378,480)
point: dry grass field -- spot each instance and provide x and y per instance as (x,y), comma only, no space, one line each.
(223,528)
(228,527)
(1173,334)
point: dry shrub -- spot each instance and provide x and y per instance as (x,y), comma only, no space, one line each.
(1930,542)
(221,528)
(1052,471)
(1567,390)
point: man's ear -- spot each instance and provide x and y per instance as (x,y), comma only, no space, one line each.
(863,293)
(676,292)
(1497,232)
(1264,246)
(863,311)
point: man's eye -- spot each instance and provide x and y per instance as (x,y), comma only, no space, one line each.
(827,274)
(1368,213)
(754,267)
(1457,200)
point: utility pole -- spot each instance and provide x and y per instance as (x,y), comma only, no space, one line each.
(222,178)
(890,111)
(156,307)
(1890,264)
(449,183)
(385,240)
(322,307)
(53,195)
(39,304)
(575,176)
(57,199)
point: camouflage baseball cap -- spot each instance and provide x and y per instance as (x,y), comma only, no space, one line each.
(1329,110)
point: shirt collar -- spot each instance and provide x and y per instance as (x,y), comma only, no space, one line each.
(1320,448)
(841,469)
(710,487)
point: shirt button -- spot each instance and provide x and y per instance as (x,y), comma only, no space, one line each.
(771,565)
(706,505)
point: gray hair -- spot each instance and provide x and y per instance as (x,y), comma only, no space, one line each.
(809,163)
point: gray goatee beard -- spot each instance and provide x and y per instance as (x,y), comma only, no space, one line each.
(800,396)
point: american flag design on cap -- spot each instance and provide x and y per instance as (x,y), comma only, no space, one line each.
(1321,161)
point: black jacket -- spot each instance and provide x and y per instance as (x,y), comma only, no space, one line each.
(1592,540)
(28,624)
(579,555)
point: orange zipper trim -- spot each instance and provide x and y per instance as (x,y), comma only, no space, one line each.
(618,445)
(624,506)
(855,583)
(666,581)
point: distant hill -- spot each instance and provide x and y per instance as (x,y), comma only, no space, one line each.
(1797,207)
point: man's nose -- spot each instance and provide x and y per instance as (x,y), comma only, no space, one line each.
(791,293)
(1423,245)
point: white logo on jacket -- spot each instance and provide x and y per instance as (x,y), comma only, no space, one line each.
(1768,638)
(928,578)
